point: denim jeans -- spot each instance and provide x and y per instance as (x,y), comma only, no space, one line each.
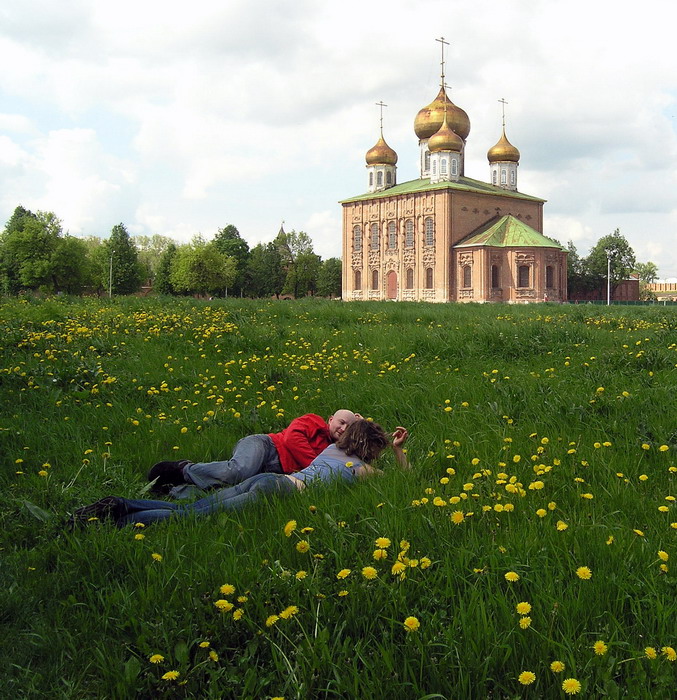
(224,499)
(252,455)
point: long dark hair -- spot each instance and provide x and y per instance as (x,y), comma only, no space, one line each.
(364,439)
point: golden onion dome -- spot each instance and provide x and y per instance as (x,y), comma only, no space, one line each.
(503,151)
(429,120)
(445,140)
(381,154)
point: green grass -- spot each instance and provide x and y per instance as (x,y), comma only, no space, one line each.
(533,407)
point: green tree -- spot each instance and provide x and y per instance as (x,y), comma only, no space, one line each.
(123,272)
(199,268)
(616,247)
(648,272)
(265,273)
(151,250)
(295,249)
(162,283)
(229,242)
(70,265)
(329,278)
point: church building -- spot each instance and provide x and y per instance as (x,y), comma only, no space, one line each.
(444,236)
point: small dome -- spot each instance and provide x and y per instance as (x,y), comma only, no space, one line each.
(445,140)
(381,154)
(429,120)
(503,151)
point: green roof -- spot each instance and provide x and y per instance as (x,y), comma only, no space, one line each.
(507,232)
(464,184)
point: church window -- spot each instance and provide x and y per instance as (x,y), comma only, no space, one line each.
(443,166)
(357,277)
(454,166)
(504,179)
(493,177)
(429,278)
(374,279)
(389,178)
(495,278)
(549,277)
(523,276)
(379,178)
(374,237)
(429,232)
(410,278)
(371,178)
(357,238)
(512,177)
(426,161)
(409,234)
(435,167)
(467,276)
(392,235)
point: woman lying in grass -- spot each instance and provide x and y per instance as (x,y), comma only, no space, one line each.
(348,459)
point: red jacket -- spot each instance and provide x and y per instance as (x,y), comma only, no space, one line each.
(301,441)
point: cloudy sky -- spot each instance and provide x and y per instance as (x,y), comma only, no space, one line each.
(181,117)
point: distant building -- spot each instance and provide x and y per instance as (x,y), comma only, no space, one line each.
(444,236)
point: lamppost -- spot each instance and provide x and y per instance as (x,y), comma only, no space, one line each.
(608,277)
(110,276)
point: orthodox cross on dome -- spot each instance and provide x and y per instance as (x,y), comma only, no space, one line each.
(381,105)
(443,44)
(503,104)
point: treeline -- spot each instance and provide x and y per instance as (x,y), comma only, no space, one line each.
(611,258)
(36,255)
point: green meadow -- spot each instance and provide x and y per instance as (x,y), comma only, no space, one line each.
(530,552)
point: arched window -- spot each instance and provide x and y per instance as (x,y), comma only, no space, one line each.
(549,277)
(374,279)
(429,232)
(495,278)
(443,166)
(426,160)
(504,179)
(523,276)
(379,178)
(428,278)
(467,276)
(454,166)
(392,235)
(389,178)
(357,279)
(410,278)
(512,177)
(357,238)
(409,234)
(434,167)
(494,179)
(371,178)
(374,237)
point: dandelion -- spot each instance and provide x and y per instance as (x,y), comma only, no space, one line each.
(156,556)
(650,652)
(238,614)
(557,667)
(411,624)
(139,536)
(512,576)
(457,517)
(289,612)
(289,528)
(525,622)
(204,645)
(610,539)
(344,573)
(227,589)
(663,556)
(670,653)
(561,526)
(600,648)
(302,546)
(584,573)
(523,608)
(663,448)
(541,512)
(369,572)
(397,568)
(380,554)
(271,620)
(300,575)
(156,659)
(342,594)
(571,686)
(640,533)
(223,605)
(526,677)
(213,655)
(170,676)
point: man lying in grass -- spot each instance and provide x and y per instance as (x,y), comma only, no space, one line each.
(349,459)
(282,453)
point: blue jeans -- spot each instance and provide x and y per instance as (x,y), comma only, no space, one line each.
(225,499)
(252,455)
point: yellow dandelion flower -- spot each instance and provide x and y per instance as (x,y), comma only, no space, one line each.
(557,667)
(289,612)
(584,573)
(224,605)
(342,594)
(424,562)
(204,645)
(541,512)
(156,556)
(561,526)
(397,568)
(600,648)
(289,528)
(610,539)
(670,653)
(663,556)
(457,517)
(663,448)
(411,624)
(139,536)
(156,659)
(523,608)
(526,677)
(170,676)
(238,614)
(380,554)
(525,622)
(300,575)
(302,546)
(369,572)
(638,532)
(213,655)
(271,620)
(344,573)
(650,652)
(227,589)
(571,686)
(512,576)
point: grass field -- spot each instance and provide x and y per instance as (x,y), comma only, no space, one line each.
(530,552)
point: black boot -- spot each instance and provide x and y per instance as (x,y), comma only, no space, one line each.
(167,474)
(108,508)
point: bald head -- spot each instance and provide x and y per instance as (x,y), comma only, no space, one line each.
(339,422)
